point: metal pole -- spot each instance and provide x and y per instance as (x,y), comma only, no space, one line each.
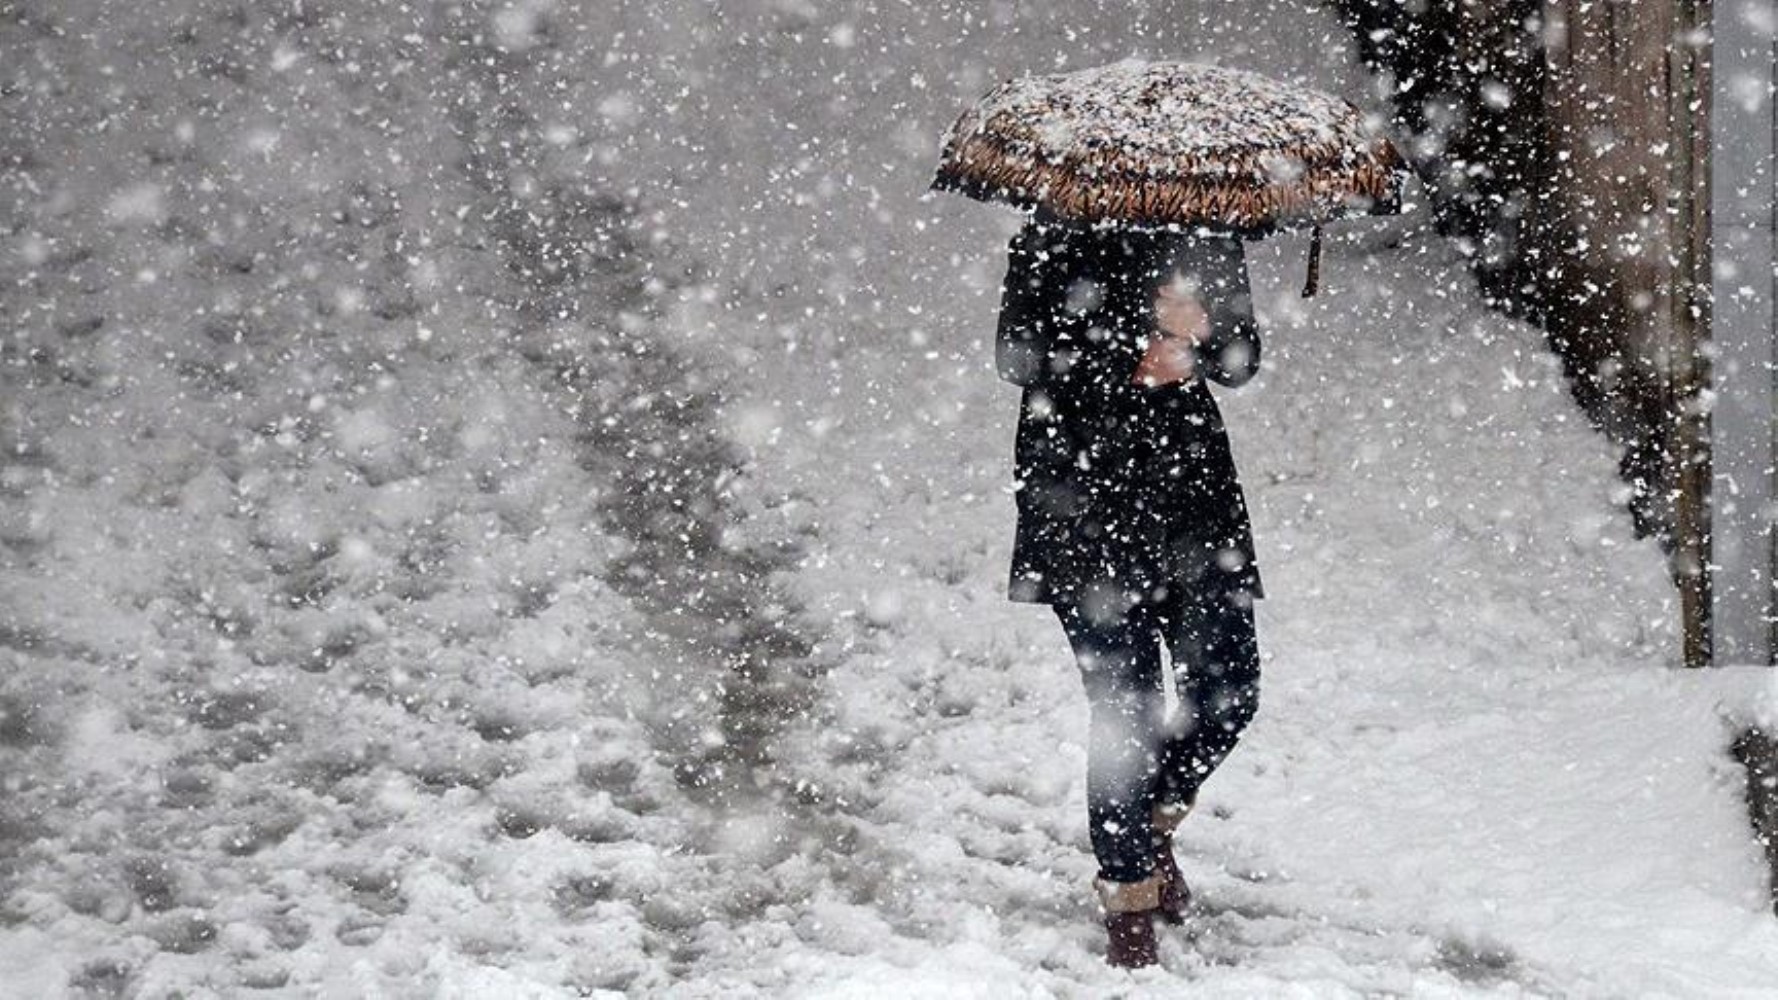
(1740,303)
(1771,281)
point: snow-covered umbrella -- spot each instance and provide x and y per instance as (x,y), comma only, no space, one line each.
(1173,143)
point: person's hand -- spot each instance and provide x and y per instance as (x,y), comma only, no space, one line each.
(1167,360)
(1181,322)
(1178,312)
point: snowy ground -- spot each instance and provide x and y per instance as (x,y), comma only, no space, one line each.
(341,660)
(1473,773)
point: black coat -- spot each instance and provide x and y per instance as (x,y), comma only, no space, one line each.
(1125,493)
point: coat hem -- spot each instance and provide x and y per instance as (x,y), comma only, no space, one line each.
(1028,591)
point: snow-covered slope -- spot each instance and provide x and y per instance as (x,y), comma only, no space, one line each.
(375,559)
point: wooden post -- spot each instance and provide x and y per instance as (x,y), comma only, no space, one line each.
(1688,314)
(1626,219)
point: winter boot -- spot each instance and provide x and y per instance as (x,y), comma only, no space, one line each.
(1176,896)
(1129,921)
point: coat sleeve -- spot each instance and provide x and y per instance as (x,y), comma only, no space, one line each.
(1059,322)
(1029,308)
(1230,355)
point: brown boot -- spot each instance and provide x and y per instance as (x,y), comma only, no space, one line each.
(1130,908)
(1176,896)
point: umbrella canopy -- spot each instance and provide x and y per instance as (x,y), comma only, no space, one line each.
(1171,143)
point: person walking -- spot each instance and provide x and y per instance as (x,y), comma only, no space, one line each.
(1132,524)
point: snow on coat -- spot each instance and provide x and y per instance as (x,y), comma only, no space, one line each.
(1125,492)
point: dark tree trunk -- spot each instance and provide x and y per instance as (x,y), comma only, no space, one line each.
(1565,143)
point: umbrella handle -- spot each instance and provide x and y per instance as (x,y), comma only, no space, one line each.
(1313,281)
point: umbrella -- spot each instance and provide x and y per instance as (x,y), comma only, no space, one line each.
(1173,144)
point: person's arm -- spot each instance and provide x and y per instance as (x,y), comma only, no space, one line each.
(1057,327)
(1029,308)
(1229,354)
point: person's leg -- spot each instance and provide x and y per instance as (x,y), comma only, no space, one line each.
(1216,668)
(1120,667)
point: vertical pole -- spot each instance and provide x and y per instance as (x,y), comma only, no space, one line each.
(1770,605)
(1689,120)
(1743,379)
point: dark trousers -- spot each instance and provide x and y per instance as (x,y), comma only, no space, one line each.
(1136,756)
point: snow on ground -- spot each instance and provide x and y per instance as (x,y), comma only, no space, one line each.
(362,639)
(1474,771)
